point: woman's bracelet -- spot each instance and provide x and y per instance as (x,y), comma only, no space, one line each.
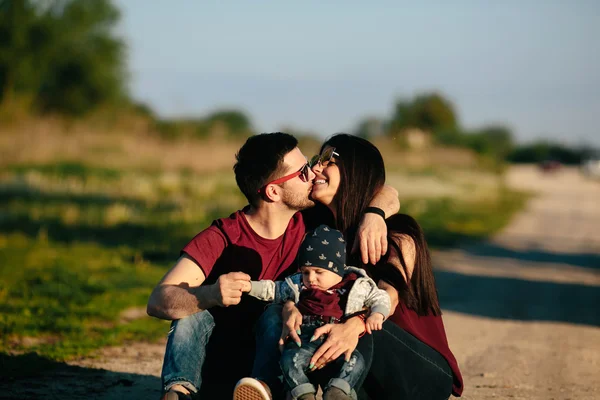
(362,319)
(375,210)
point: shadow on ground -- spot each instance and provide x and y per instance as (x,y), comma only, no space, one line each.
(585,260)
(509,298)
(29,376)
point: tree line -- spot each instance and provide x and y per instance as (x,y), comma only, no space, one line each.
(435,117)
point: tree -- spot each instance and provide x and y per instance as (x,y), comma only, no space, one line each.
(429,112)
(495,141)
(543,150)
(21,39)
(63,54)
(235,122)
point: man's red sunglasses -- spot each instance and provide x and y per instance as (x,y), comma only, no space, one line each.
(303,173)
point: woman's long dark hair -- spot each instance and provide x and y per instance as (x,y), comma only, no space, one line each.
(421,294)
(362,175)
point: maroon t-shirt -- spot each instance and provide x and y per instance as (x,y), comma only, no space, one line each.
(231,245)
(327,303)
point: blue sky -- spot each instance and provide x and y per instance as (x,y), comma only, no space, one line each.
(322,66)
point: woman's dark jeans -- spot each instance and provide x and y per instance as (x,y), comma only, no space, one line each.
(403,367)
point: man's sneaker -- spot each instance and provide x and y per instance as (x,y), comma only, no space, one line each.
(251,389)
(175,395)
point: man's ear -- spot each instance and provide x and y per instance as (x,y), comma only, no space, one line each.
(273,192)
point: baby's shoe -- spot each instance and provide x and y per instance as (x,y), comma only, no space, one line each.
(334,393)
(307,396)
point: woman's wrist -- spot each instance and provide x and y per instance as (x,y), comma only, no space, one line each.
(357,323)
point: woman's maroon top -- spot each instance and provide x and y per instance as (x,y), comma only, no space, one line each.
(429,328)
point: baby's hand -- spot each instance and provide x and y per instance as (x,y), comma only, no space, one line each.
(374,322)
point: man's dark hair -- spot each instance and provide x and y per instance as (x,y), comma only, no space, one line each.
(260,160)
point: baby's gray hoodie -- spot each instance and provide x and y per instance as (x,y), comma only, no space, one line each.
(364,292)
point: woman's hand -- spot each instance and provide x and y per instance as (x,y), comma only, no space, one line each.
(292,319)
(371,238)
(341,339)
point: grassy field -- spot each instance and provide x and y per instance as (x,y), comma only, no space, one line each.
(83,240)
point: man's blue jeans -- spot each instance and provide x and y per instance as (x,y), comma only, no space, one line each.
(198,358)
(186,351)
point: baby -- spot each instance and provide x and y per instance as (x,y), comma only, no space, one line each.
(325,291)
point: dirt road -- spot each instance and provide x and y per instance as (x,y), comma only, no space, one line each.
(521,311)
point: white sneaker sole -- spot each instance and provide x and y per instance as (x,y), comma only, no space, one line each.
(250,389)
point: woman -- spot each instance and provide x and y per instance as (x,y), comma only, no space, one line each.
(411,357)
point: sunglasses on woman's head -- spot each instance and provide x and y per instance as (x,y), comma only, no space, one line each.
(324,157)
(303,173)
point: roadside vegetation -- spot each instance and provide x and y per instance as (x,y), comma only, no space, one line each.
(83,243)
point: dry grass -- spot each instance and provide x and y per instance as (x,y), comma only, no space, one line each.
(48,141)
(433,157)
(132,144)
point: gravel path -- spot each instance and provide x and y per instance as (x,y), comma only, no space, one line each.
(520,311)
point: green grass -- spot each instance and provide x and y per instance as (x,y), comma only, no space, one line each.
(81,244)
(448,222)
(70,295)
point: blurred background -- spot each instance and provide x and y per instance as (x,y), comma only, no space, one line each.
(119,121)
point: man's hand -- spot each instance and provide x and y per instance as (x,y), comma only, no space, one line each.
(227,290)
(371,238)
(292,319)
(374,322)
(341,339)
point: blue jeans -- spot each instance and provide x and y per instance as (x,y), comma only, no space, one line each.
(295,366)
(186,351)
(208,357)
(266,361)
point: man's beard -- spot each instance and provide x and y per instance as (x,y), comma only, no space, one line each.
(296,201)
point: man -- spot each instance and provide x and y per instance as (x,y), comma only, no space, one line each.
(211,350)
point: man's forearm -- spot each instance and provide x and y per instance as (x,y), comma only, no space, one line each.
(172,302)
(387,200)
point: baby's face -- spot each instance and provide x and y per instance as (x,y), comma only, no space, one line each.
(319,278)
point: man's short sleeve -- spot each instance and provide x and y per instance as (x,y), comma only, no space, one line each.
(206,247)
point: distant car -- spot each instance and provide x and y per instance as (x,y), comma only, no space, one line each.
(550,166)
(591,167)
